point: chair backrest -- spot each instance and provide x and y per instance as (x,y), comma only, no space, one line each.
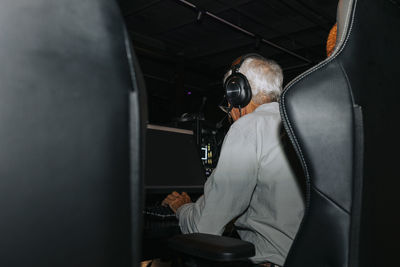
(339,116)
(69,98)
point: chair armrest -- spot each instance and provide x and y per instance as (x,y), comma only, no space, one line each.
(212,247)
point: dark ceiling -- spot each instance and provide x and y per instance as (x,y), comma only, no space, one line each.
(184,47)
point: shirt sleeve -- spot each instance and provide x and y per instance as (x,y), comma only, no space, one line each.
(228,190)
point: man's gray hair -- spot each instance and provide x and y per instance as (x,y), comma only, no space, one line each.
(265,78)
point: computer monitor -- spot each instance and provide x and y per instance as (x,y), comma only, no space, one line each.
(173,161)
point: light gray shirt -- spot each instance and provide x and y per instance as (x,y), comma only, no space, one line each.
(254,183)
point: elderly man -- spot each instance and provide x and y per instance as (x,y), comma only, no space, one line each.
(254,182)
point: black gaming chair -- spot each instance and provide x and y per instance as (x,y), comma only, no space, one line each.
(70,128)
(339,116)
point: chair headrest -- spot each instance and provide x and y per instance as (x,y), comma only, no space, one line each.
(343,18)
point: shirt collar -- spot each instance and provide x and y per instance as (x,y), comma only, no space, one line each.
(267,106)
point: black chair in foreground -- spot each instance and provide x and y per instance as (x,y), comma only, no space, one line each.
(339,117)
(71,124)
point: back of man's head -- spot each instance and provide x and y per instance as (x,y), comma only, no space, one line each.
(265,78)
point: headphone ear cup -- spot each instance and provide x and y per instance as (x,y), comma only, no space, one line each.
(237,90)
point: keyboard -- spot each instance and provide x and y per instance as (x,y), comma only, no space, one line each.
(159,212)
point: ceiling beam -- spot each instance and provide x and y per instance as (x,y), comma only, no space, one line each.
(240,29)
(261,23)
(308,15)
(241,44)
(191,21)
(141,9)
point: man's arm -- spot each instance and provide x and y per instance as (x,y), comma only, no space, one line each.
(228,191)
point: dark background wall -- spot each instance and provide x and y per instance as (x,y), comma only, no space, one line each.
(184,52)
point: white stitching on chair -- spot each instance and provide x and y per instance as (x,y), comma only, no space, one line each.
(288,125)
(317,67)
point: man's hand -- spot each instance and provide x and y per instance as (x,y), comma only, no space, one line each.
(175,200)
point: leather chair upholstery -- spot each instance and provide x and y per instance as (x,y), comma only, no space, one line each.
(339,127)
(70,96)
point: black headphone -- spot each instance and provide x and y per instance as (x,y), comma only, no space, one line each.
(237,87)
